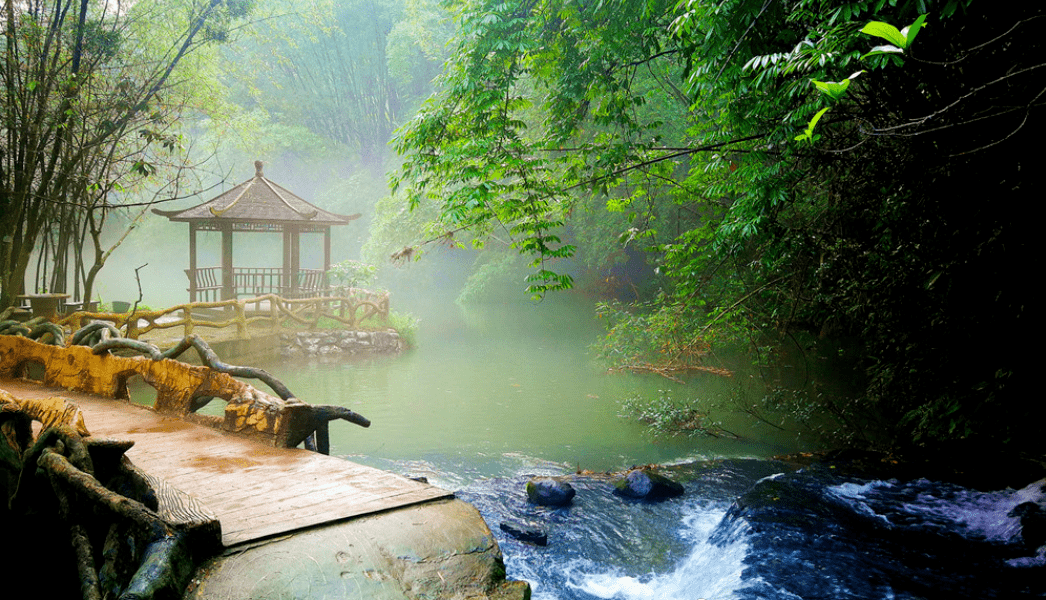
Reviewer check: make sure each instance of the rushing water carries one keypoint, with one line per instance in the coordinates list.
(753, 530)
(494, 395)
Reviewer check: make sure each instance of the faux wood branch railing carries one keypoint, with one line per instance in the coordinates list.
(181, 389)
(348, 306)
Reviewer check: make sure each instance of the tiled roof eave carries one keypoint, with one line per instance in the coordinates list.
(316, 221)
(266, 201)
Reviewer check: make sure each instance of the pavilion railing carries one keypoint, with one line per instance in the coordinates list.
(255, 281)
(348, 306)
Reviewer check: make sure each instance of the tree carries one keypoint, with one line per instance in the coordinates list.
(87, 90)
(864, 235)
(526, 116)
(854, 236)
(345, 70)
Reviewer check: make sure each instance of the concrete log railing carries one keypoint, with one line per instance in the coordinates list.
(348, 306)
(181, 388)
(130, 533)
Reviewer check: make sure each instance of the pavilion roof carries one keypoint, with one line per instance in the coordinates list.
(258, 200)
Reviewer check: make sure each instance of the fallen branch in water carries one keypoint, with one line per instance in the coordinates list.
(670, 371)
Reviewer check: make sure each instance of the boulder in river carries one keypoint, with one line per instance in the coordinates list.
(645, 484)
(547, 491)
(526, 531)
(1033, 522)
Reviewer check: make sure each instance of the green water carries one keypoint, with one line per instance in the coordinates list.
(507, 389)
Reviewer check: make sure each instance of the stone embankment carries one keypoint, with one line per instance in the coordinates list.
(320, 343)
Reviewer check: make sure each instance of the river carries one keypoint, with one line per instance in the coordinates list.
(493, 395)
(507, 389)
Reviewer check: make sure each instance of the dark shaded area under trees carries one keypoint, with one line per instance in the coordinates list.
(904, 232)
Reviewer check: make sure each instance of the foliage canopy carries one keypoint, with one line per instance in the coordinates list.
(894, 226)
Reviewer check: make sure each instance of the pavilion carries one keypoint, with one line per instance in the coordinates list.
(257, 205)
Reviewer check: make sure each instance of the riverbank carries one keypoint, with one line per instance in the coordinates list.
(437, 550)
(265, 344)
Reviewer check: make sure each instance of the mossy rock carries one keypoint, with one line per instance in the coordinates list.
(547, 491)
(644, 484)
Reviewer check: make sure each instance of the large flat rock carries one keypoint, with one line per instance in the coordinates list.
(440, 549)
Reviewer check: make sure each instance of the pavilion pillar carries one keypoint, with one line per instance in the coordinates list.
(192, 262)
(228, 290)
(285, 277)
(292, 247)
(326, 254)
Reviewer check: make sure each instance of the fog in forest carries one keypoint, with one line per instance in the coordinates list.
(163, 246)
(651, 233)
(328, 142)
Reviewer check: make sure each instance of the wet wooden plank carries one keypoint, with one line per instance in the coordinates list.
(255, 491)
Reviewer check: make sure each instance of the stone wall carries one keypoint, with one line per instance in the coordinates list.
(314, 343)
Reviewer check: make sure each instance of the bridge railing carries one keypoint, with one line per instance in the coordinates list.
(279, 419)
(348, 306)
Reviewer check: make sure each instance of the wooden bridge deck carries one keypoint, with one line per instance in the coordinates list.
(255, 491)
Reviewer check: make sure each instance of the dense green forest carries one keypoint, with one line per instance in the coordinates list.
(887, 228)
(780, 177)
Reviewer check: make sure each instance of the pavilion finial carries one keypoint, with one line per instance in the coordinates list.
(258, 168)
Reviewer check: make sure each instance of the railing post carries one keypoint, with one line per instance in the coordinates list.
(191, 271)
(274, 311)
(323, 438)
(187, 310)
(132, 326)
(241, 320)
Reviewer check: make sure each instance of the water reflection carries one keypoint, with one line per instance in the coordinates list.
(503, 389)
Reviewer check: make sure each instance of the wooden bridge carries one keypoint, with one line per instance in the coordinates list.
(243, 468)
(254, 490)
(196, 481)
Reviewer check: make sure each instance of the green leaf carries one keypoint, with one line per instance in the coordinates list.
(887, 32)
(882, 50)
(817, 117)
(900, 40)
(912, 30)
(809, 133)
(835, 89)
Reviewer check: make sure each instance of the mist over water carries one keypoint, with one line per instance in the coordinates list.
(502, 389)
(495, 394)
